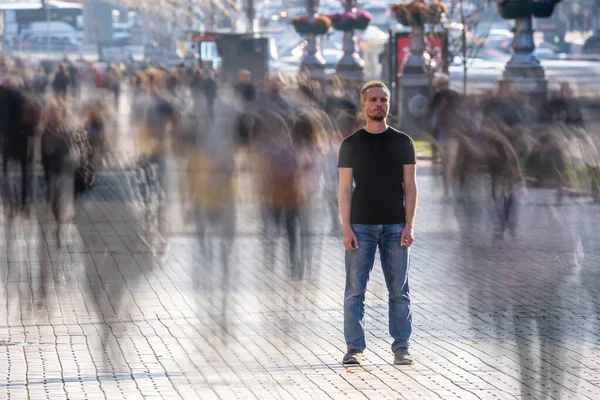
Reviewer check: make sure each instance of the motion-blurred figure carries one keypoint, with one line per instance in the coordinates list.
(209, 88)
(59, 160)
(447, 123)
(19, 119)
(160, 122)
(61, 82)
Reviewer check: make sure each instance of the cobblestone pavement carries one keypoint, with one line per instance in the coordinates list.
(113, 315)
(119, 313)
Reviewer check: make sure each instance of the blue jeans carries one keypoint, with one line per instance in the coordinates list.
(395, 264)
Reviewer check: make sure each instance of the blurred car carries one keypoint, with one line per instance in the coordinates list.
(545, 54)
(381, 14)
(591, 46)
(502, 37)
(40, 42)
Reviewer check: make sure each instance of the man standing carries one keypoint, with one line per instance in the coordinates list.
(379, 212)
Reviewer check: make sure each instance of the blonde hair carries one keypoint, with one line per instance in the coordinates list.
(373, 84)
(441, 80)
(55, 113)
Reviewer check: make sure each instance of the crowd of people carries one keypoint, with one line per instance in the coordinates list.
(286, 146)
(287, 134)
(514, 144)
(286, 130)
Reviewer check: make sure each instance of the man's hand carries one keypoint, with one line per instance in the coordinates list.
(407, 237)
(350, 240)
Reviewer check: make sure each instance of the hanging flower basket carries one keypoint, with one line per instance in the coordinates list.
(542, 9)
(525, 8)
(514, 9)
(350, 20)
(434, 12)
(419, 13)
(318, 26)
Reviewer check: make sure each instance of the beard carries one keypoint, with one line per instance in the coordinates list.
(377, 117)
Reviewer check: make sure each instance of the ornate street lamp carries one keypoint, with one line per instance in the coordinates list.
(350, 65)
(312, 26)
(524, 71)
(416, 70)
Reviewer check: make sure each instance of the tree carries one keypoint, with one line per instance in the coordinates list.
(466, 36)
(176, 9)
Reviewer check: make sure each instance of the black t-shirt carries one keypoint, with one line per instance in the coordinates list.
(377, 162)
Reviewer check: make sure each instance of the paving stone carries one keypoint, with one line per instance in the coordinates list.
(114, 316)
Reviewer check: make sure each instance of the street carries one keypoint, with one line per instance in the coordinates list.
(114, 316)
(238, 292)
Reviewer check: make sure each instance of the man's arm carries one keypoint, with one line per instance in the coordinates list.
(345, 196)
(345, 202)
(410, 202)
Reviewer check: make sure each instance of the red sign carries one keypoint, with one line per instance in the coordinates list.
(202, 38)
(435, 46)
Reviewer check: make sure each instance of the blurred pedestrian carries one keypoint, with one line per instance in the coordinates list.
(59, 161)
(197, 89)
(209, 88)
(40, 81)
(61, 82)
(114, 82)
(244, 86)
(564, 107)
(73, 72)
(160, 124)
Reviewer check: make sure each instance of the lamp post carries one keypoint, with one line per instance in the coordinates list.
(415, 82)
(313, 62)
(524, 72)
(48, 29)
(251, 16)
(350, 65)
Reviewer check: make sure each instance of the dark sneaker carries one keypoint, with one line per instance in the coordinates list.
(402, 357)
(353, 357)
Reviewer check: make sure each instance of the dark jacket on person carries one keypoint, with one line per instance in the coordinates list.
(564, 110)
(61, 82)
(246, 90)
(209, 87)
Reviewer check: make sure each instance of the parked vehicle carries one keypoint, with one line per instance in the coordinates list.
(40, 42)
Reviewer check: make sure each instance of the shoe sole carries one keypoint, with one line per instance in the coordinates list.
(404, 362)
(351, 362)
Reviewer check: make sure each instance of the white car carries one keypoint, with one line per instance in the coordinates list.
(500, 34)
(545, 54)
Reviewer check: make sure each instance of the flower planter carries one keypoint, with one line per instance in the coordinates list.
(409, 20)
(435, 19)
(306, 28)
(434, 13)
(514, 9)
(317, 26)
(417, 13)
(522, 9)
(542, 10)
(350, 20)
(357, 24)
